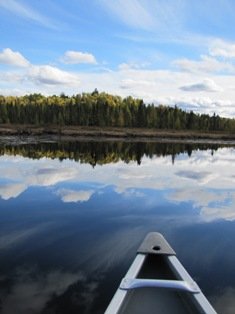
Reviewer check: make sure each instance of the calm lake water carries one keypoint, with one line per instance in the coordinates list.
(72, 215)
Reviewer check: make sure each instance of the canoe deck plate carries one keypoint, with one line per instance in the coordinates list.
(154, 243)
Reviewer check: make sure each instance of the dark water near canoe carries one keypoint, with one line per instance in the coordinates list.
(73, 213)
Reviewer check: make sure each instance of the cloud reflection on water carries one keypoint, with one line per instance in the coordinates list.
(50, 176)
(205, 179)
(225, 301)
(202, 177)
(11, 190)
(69, 196)
(213, 204)
(33, 289)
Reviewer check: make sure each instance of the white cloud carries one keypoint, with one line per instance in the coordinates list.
(71, 196)
(207, 85)
(10, 57)
(132, 66)
(221, 48)
(132, 84)
(206, 105)
(131, 79)
(205, 65)
(46, 74)
(11, 76)
(76, 57)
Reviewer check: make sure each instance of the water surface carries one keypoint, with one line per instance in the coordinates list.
(72, 215)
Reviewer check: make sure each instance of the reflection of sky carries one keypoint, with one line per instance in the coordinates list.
(65, 222)
(205, 180)
(33, 289)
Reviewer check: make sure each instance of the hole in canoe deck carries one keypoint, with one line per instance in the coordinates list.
(156, 248)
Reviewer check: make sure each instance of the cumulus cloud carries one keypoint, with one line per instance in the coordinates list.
(207, 85)
(49, 75)
(130, 79)
(198, 104)
(12, 77)
(221, 48)
(205, 65)
(10, 57)
(72, 196)
(76, 57)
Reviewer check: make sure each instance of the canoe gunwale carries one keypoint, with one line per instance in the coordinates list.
(199, 298)
(120, 294)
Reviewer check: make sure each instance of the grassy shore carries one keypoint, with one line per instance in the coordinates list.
(122, 133)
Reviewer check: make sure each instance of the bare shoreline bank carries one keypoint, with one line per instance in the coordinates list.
(111, 133)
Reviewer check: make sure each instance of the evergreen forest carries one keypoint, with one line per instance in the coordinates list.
(104, 110)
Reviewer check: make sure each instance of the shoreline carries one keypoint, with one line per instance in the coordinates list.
(112, 133)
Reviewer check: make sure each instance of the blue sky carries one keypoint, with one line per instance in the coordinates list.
(164, 51)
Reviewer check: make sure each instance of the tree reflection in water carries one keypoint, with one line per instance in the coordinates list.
(104, 152)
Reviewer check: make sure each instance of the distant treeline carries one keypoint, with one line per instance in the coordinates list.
(104, 110)
(101, 153)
